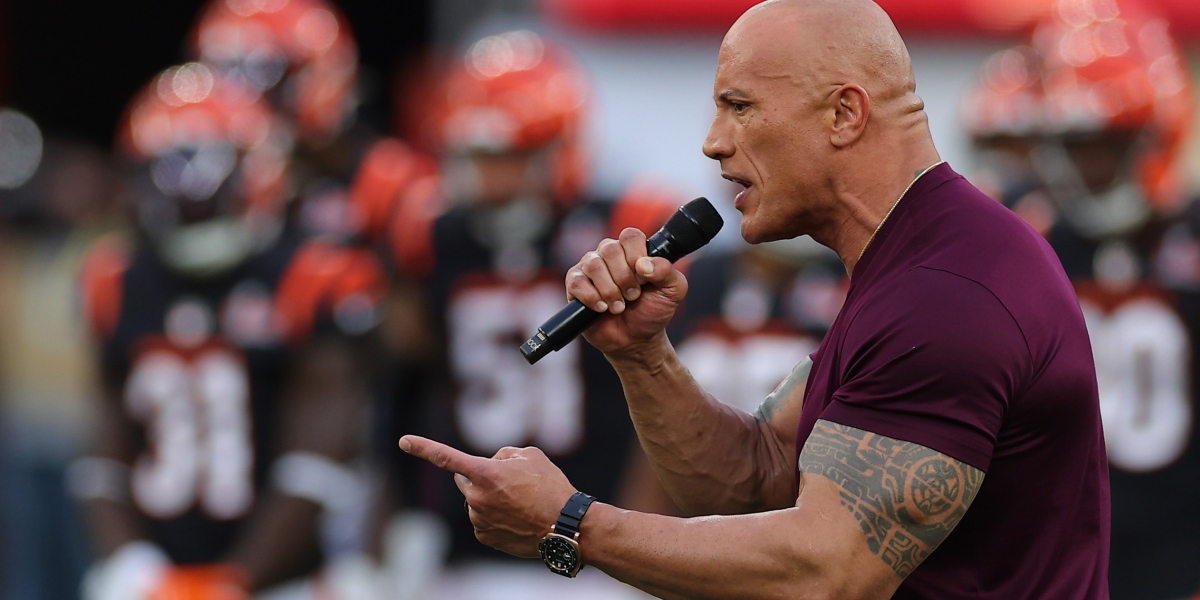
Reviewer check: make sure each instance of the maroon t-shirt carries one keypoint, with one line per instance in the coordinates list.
(962, 334)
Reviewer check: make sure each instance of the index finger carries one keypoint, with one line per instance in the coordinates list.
(441, 455)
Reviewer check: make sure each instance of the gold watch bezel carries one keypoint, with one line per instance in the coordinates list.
(573, 541)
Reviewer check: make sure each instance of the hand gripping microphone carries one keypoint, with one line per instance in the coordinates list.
(692, 226)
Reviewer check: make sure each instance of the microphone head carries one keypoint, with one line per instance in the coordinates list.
(694, 224)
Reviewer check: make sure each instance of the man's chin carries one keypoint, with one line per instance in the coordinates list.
(754, 235)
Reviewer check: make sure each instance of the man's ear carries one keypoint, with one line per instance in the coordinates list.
(851, 107)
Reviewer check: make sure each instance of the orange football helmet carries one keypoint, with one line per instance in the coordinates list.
(1003, 115)
(300, 52)
(212, 163)
(515, 92)
(1007, 99)
(1110, 67)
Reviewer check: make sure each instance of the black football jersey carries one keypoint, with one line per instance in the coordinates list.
(741, 335)
(200, 365)
(486, 301)
(1140, 297)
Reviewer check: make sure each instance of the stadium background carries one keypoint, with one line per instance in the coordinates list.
(71, 65)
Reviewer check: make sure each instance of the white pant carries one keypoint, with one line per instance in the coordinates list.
(527, 581)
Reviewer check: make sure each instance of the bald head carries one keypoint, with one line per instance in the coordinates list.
(820, 44)
(818, 118)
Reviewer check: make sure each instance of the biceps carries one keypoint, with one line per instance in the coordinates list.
(905, 497)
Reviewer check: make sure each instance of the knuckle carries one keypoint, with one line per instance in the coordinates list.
(592, 262)
(576, 277)
(482, 473)
(632, 233)
(609, 247)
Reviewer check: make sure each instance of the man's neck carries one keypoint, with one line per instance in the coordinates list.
(867, 200)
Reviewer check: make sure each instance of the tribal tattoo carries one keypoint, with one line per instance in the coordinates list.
(783, 392)
(906, 497)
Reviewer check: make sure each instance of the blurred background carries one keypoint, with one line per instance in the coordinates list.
(247, 244)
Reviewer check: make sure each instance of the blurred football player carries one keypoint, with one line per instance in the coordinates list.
(1118, 104)
(301, 54)
(232, 356)
(1002, 114)
(507, 122)
(753, 313)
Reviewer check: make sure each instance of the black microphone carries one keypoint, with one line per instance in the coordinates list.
(691, 227)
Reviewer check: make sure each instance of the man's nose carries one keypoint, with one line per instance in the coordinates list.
(717, 145)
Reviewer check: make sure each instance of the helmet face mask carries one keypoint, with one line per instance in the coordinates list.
(1099, 198)
(210, 169)
(497, 178)
(1104, 158)
(260, 70)
(187, 203)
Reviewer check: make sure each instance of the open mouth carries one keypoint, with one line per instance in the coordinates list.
(736, 179)
(746, 185)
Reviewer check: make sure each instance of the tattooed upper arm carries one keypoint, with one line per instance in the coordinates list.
(905, 497)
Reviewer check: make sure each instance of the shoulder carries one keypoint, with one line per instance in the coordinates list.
(932, 358)
(947, 316)
(411, 229)
(388, 169)
(322, 281)
(969, 235)
(102, 282)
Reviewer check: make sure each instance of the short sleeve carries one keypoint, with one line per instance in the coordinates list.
(935, 360)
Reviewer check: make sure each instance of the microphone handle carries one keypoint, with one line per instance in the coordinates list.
(566, 324)
(574, 318)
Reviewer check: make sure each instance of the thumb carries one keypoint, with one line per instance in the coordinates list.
(660, 273)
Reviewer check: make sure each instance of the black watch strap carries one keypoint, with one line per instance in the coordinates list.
(572, 514)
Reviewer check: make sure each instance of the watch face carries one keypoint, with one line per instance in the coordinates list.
(559, 553)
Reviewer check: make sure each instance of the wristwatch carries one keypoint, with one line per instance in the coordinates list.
(560, 547)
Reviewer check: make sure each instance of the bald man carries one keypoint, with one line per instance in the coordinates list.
(943, 442)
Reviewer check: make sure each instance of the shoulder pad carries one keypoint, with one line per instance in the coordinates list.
(410, 234)
(101, 280)
(645, 206)
(387, 169)
(326, 281)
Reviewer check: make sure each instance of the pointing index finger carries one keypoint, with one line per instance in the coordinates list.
(441, 455)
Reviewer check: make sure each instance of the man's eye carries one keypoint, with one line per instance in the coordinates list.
(739, 107)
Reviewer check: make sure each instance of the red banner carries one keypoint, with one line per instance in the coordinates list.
(917, 17)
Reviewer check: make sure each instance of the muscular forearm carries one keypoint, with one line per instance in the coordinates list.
(793, 553)
(711, 458)
(281, 537)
